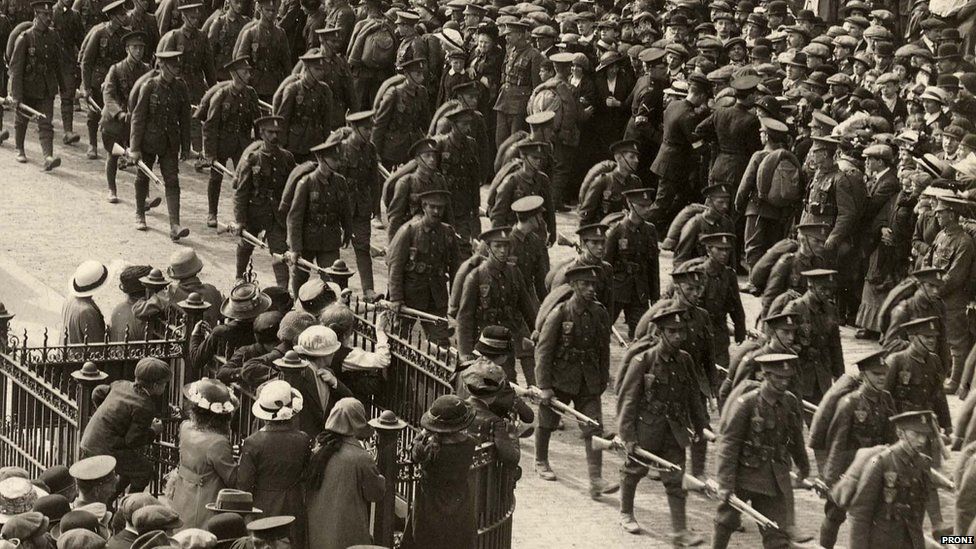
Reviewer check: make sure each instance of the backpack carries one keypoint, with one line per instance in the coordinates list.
(759, 275)
(902, 291)
(778, 180)
(374, 45)
(843, 492)
(595, 171)
(824, 415)
(683, 217)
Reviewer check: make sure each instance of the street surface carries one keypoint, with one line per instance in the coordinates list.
(51, 222)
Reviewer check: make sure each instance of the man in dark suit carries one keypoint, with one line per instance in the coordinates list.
(735, 131)
(893, 107)
(314, 376)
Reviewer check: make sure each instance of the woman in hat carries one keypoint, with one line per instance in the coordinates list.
(613, 82)
(274, 458)
(80, 316)
(362, 371)
(243, 305)
(123, 322)
(444, 510)
(206, 458)
(342, 480)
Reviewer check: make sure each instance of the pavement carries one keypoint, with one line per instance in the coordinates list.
(52, 221)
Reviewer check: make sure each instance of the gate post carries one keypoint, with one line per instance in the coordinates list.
(88, 377)
(388, 428)
(5, 317)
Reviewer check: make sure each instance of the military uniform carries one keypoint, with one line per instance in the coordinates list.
(115, 91)
(104, 47)
(308, 107)
(722, 301)
(604, 282)
(463, 175)
(818, 340)
(735, 132)
(918, 305)
(675, 162)
(914, 380)
(71, 30)
(532, 259)
(605, 195)
(405, 202)
(559, 96)
(401, 118)
(222, 35)
(521, 183)
(632, 251)
(786, 275)
(267, 46)
(520, 75)
(360, 167)
(261, 176)
(709, 221)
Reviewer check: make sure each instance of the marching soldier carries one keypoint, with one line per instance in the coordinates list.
(460, 165)
(780, 333)
(115, 92)
(319, 216)
(69, 26)
(494, 293)
(402, 114)
(889, 506)
(267, 46)
(261, 177)
(530, 251)
(821, 359)
(340, 15)
(140, 20)
(924, 302)
(160, 130)
(735, 131)
(559, 96)
(405, 202)
(605, 195)
(414, 45)
(660, 411)
(35, 78)
(520, 75)
(861, 421)
(713, 219)
(308, 107)
(337, 74)
(423, 258)
(372, 51)
(722, 298)
(592, 253)
(914, 374)
(359, 166)
(104, 47)
(786, 273)
(223, 34)
(573, 365)
(197, 61)
(632, 250)
(227, 127)
(528, 180)
(762, 433)
(468, 95)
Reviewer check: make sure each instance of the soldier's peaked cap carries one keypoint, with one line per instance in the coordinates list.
(873, 360)
(359, 116)
(423, 145)
(136, 36)
(472, 8)
(329, 145)
(238, 63)
(624, 145)
(685, 271)
(745, 83)
(113, 6)
(269, 122)
(528, 204)
(407, 17)
(327, 30)
(496, 234)
(92, 468)
(718, 239)
(190, 6)
(814, 229)
(532, 147)
(931, 275)
(822, 119)
(640, 196)
(773, 125)
(670, 317)
(595, 231)
(417, 63)
(564, 58)
(311, 55)
(918, 420)
(436, 196)
(168, 54)
(539, 118)
(778, 363)
(822, 277)
(718, 189)
(922, 326)
(42, 5)
(782, 321)
(271, 528)
(473, 86)
(583, 272)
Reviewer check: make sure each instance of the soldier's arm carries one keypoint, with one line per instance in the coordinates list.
(778, 281)
(737, 313)
(242, 46)
(654, 265)
(541, 270)
(866, 500)
(706, 128)
(465, 315)
(296, 216)
(730, 442)
(213, 32)
(398, 211)
(847, 214)
(836, 353)
(114, 104)
(399, 253)
(88, 58)
(382, 118)
(503, 203)
(242, 193)
(184, 114)
(612, 244)
(603, 347)
(138, 121)
(960, 270)
(550, 211)
(840, 454)
(528, 304)
(453, 254)
(891, 380)
(285, 110)
(15, 71)
(209, 72)
(545, 349)
(941, 408)
(211, 125)
(747, 185)
(687, 246)
(629, 397)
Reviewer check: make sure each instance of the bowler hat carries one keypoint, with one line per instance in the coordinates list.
(448, 414)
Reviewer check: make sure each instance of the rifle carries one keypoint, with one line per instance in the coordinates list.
(384, 173)
(618, 336)
(376, 251)
(222, 169)
(708, 487)
(533, 394)
(93, 105)
(384, 305)
(119, 150)
(265, 106)
(942, 481)
(25, 109)
(564, 240)
(250, 238)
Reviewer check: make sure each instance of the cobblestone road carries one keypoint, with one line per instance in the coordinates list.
(50, 222)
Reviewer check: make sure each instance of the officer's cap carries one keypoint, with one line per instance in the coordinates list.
(168, 54)
(929, 275)
(724, 240)
(956, 204)
(415, 64)
(624, 145)
(746, 82)
(717, 190)
(532, 148)
(423, 145)
(670, 318)
(879, 151)
(436, 196)
(93, 468)
(359, 116)
(686, 272)
(772, 125)
(238, 63)
(474, 9)
(594, 231)
(815, 230)
(113, 6)
(269, 123)
(920, 421)
(872, 361)
(782, 321)
(583, 272)
(778, 363)
(562, 58)
(271, 528)
(826, 142)
(528, 204)
(820, 118)
(496, 234)
(404, 17)
(643, 196)
(922, 326)
(134, 37)
(470, 86)
(821, 277)
(190, 6)
(329, 145)
(327, 30)
(42, 5)
(652, 55)
(545, 31)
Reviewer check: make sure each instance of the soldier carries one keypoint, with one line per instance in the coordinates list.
(140, 20)
(197, 61)
(914, 374)
(861, 421)
(402, 114)
(924, 302)
(573, 365)
(520, 75)
(786, 272)
(722, 298)
(160, 129)
(818, 339)
(319, 216)
(660, 411)
(468, 95)
(337, 74)
(35, 77)
(763, 431)
(714, 218)
(632, 250)
(779, 335)
(308, 107)
(414, 46)
(266, 44)
(955, 253)
(372, 51)
(494, 293)
(528, 180)
(463, 173)
(69, 26)
(605, 194)
(104, 47)
(116, 89)
(223, 34)
(559, 96)
(227, 127)
(359, 166)
(423, 258)
(647, 110)
(530, 251)
(889, 506)
(592, 251)
(405, 201)
(261, 176)
(735, 132)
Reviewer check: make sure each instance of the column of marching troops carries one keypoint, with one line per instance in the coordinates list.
(834, 168)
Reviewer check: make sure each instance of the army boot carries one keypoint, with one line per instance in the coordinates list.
(722, 536)
(628, 488)
(594, 465)
(150, 204)
(51, 162)
(4, 135)
(141, 221)
(21, 156)
(681, 536)
(70, 138)
(542, 468)
(175, 231)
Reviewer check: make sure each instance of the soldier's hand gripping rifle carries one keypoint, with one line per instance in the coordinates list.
(564, 240)
(93, 105)
(534, 394)
(422, 316)
(119, 150)
(27, 110)
(709, 487)
(376, 251)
